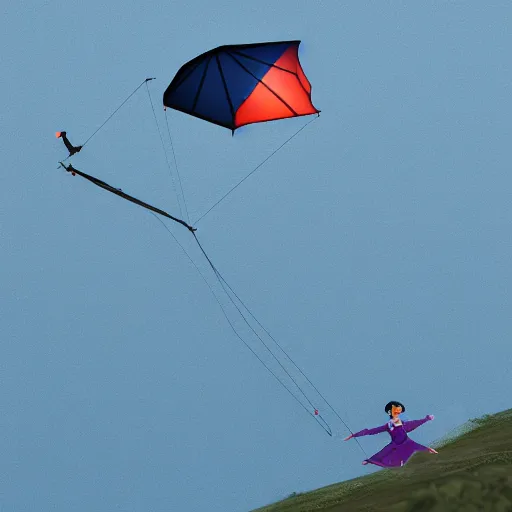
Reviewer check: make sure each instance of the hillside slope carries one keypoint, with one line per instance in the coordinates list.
(471, 473)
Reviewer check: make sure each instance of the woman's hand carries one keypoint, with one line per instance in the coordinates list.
(349, 437)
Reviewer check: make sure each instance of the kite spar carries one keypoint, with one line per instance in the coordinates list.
(120, 193)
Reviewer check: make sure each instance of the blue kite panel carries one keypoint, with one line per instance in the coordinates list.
(184, 94)
(213, 101)
(266, 53)
(250, 67)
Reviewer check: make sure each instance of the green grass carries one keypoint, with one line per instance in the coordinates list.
(471, 473)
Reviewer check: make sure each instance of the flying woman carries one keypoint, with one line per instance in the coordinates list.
(399, 451)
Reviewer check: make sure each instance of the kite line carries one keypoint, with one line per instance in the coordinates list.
(233, 297)
(256, 168)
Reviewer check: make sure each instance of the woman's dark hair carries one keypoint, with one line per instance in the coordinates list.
(387, 409)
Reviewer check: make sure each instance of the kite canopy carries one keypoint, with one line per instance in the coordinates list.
(236, 85)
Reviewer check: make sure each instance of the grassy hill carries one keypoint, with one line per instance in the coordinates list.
(471, 473)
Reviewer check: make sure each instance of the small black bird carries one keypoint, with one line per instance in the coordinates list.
(72, 149)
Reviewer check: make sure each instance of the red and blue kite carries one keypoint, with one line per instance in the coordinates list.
(236, 85)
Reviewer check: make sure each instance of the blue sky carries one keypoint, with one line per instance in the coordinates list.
(374, 246)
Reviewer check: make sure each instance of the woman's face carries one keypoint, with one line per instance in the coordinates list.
(396, 411)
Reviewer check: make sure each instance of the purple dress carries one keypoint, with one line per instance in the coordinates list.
(399, 451)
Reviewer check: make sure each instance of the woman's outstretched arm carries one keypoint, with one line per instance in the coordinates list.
(409, 426)
(368, 432)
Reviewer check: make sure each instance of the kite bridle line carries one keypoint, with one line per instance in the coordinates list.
(257, 167)
(167, 160)
(110, 116)
(115, 111)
